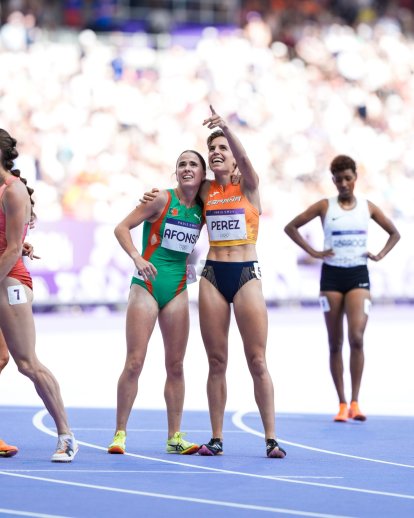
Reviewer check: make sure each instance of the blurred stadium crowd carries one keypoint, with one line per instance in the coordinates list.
(101, 117)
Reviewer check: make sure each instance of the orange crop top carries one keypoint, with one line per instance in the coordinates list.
(231, 219)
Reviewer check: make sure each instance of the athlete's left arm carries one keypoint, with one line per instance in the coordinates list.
(384, 222)
(250, 179)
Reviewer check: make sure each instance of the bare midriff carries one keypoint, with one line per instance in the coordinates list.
(233, 254)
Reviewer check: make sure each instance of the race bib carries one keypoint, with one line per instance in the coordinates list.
(180, 236)
(324, 304)
(349, 246)
(257, 271)
(367, 306)
(16, 294)
(191, 274)
(226, 224)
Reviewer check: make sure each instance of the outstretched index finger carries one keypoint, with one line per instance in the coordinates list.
(213, 111)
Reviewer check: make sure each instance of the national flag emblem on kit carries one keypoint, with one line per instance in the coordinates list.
(174, 212)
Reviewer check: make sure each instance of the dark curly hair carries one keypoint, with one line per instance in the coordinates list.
(8, 155)
(342, 163)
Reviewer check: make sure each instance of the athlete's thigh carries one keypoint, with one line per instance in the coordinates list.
(174, 320)
(16, 319)
(214, 314)
(357, 305)
(332, 304)
(142, 313)
(251, 314)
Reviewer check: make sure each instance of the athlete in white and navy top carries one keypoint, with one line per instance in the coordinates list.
(344, 285)
(346, 233)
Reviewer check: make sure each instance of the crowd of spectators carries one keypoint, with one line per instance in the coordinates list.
(100, 118)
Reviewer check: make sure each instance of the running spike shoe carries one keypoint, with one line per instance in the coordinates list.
(213, 447)
(6, 450)
(273, 450)
(118, 444)
(66, 449)
(342, 415)
(355, 413)
(178, 445)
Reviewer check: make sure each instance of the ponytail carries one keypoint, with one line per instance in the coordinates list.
(8, 155)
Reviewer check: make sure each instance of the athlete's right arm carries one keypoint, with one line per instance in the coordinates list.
(28, 251)
(318, 209)
(144, 211)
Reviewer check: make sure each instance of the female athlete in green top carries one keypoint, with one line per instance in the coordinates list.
(166, 243)
(158, 290)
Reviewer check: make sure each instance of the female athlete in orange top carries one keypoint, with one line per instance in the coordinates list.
(232, 275)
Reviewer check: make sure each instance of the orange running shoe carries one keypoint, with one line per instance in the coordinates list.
(6, 450)
(355, 413)
(342, 415)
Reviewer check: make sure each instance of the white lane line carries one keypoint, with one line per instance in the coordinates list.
(237, 419)
(155, 471)
(14, 512)
(307, 476)
(155, 430)
(37, 421)
(69, 470)
(217, 503)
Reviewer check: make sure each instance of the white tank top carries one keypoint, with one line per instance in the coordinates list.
(346, 232)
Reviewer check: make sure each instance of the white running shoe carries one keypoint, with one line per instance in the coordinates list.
(66, 449)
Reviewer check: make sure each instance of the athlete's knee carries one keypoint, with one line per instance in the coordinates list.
(217, 364)
(356, 340)
(29, 368)
(175, 369)
(335, 346)
(133, 367)
(257, 366)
